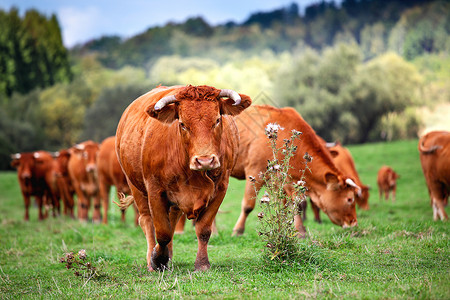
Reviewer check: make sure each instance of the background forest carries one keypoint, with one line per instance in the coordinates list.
(360, 71)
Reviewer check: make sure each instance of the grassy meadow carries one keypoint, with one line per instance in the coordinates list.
(397, 251)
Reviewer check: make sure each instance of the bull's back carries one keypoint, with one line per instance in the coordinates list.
(131, 132)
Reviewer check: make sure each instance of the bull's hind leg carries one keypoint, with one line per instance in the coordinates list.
(145, 221)
(248, 204)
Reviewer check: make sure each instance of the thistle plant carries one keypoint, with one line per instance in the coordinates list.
(282, 199)
(79, 263)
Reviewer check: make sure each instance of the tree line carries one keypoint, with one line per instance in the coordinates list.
(364, 82)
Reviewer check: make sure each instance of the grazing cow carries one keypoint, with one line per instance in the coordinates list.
(177, 146)
(110, 173)
(83, 173)
(62, 185)
(387, 182)
(434, 149)
(344, 162)
(34, 171)
(326, 185)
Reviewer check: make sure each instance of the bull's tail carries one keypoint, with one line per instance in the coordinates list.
(428, 150)
(124, 201)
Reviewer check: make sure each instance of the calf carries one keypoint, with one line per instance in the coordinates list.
(434, 149)
(83, 173)
(387, 182)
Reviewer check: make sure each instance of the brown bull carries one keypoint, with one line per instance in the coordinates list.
(110, 174)
(34, 171)
(327, 186)
(345, 163)
(434, 149)
(387, 182)
(62, 185)
(83, 173)
(177, 146)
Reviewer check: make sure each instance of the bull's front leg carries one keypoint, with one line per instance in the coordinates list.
(159, 206)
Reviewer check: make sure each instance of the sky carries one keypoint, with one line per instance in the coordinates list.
(83, 20)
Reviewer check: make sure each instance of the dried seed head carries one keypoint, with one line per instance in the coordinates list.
(261, 215)
(82, 254)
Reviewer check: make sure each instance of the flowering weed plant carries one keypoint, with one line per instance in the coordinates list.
(79, 264)
(283, 199)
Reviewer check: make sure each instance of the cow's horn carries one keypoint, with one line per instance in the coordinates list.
(15, 156)
(79, 146)
(164, 101)
(232, 95)
(353, 184)
(330, 144)
(36, 155)
(55, 154)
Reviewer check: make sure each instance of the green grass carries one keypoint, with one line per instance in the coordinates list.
(397, 251)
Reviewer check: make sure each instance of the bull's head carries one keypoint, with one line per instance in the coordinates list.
(338, 200)
(87, 152)
(198, 111)
(25, 163)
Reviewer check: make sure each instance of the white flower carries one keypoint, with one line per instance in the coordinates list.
(273, 127)
(265, 198)
(301, 182)
(82, 254)
(276, 167)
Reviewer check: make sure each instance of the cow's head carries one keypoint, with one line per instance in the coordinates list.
(87, 152)
(26, 163)
(198, 111)
(337, 200)
(62, 161)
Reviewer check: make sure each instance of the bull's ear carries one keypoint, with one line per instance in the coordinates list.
(227, 106)
(332, 181)
(167, 114)
(15, 163)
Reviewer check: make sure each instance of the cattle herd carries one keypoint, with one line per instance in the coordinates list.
(174, 151)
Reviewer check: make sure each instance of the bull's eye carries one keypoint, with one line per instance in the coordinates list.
(217, 122)
(183, 126)
(349, 200)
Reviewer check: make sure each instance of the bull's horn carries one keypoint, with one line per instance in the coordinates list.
(79, 146)
(330, 144)
(164, 101)
(353, 184)
(55, 154)
(36, 155)
(15, 156)
(231, 94)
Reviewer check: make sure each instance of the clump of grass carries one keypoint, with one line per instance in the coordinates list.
(79, 264)
(278, 208)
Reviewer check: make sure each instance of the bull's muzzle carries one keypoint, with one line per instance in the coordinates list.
(204, 163)
(91, 168)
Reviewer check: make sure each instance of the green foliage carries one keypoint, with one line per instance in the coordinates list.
(396, 252)
(111, 103)
(31, 52)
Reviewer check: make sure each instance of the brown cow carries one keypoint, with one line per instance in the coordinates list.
(434, 149)
(34, 171)
(345, 163)
(387, 182)
(62, 185)
(177, 146)
(328, 188)
(110, 173)
(83, 173)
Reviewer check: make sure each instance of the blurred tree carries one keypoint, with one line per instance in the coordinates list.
(101, 119)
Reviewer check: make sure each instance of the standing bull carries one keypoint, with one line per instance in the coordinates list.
(110, 173)
(177, 146)
(329, 189)
(34, 171)
(387, 182)
(434, 149)
(83, 173)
